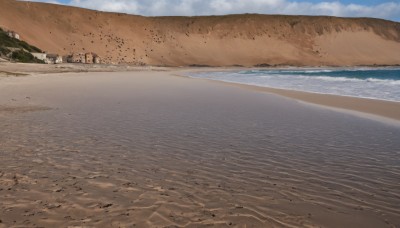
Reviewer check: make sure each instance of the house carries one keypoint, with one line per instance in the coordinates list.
(65, 58)
(48, 58)
(13, 34)
(53, 59)
(89, 58)
(76, 58)
(40, 56)
(97, 59)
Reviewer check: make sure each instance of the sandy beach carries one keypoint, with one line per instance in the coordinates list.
(381, 110)
(386, 111)
(148, 148)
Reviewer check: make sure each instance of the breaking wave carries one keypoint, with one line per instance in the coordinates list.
(373, 83)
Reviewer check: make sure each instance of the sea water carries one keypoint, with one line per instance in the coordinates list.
(373, 83)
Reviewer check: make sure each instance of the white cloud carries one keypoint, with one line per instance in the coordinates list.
(387, 10)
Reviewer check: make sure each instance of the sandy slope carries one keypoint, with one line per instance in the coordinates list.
(225, 40)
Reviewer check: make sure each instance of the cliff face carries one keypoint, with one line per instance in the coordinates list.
(246, 40)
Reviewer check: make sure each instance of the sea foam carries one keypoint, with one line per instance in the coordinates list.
(373, 83)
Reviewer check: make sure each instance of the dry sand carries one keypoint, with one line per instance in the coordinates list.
(147, 149)
(246, 40)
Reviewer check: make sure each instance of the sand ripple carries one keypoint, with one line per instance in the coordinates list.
(148, 161)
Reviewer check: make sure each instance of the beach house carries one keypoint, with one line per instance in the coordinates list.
(40, 56)
(89, 58)
(48, 58)
(76, 58)
(97, 59)
(53, 59)
(13, 34)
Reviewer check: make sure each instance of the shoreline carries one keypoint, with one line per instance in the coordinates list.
(387, 111)
(381, 110)
(34, 68)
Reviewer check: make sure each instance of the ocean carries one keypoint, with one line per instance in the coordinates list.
(373, 83)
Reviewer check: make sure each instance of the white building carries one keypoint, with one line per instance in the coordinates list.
(53, 59)
(48, 58)
(13, 34)
(40, 56)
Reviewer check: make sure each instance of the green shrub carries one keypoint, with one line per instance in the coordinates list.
(21, 55)
(28, 47)
(4, 51)
(6, 41)
(24, 57)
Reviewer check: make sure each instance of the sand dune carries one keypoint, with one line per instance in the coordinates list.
(246, 40)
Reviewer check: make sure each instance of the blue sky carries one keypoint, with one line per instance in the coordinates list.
(386, 9)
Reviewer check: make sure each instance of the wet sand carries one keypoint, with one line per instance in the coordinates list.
(147, 149)
(381, 110)
(387, 111)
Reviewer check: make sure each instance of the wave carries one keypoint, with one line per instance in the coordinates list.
(390, 81)
(372, 84)
(283, 71)
(334, 79)
(357, 73)
(308, 71)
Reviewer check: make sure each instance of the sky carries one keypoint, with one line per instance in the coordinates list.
(386, 9)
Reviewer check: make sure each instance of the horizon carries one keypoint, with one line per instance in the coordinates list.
(388, 10)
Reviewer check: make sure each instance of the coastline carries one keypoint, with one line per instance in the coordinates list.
(381, 110)
(386, 111)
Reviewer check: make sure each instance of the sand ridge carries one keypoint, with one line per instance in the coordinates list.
(245, 40)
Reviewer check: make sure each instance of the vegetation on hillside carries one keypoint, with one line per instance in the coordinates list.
(17, 50)
(24, 57)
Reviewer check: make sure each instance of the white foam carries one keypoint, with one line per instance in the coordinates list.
(332, 79)
(373, 88)
(308, 71)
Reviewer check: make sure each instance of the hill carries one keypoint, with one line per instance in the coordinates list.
(16, 50)
(246, 40)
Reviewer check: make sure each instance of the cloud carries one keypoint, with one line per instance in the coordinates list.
(386, 10)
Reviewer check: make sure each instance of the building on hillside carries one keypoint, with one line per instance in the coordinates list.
(40, 56)
(13, 34)
(76, 58)
(96, 59)
(48, 58)
(53, 59)
(89, 58)
(65, 58)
